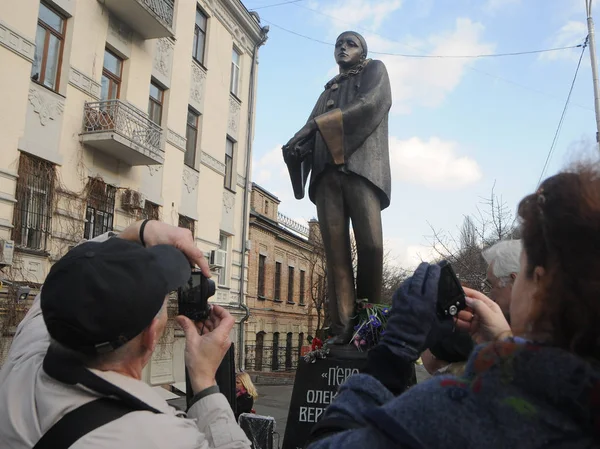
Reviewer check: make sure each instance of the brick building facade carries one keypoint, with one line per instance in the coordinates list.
(283, 277)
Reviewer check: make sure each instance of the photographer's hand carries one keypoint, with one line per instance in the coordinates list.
(159, 233)
(204, 353)
(483, 319)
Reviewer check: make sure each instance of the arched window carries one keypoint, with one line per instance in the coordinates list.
(300, 343)
(288, 351)
(258, 351)
(275, 355)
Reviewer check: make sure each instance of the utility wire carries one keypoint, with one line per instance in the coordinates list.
(276, 4)
(405, 55)
(564, 113)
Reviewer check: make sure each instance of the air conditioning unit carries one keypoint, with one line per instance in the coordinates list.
(7, 249)
(132, 200)
(218, 258)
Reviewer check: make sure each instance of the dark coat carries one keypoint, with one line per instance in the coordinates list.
(364, 100)
(244, 404)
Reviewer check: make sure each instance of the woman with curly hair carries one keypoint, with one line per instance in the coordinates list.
(536, 385)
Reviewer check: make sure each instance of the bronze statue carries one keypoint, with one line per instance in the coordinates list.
(345, 145)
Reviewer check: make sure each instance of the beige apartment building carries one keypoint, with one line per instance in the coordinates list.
(285, 285)
(116, 110)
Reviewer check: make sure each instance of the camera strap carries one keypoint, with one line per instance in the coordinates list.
(90, 416)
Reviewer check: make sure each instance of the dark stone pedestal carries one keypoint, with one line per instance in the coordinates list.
(315, 388)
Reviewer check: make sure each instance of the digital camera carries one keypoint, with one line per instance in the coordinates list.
(451, 296)
(193, 297)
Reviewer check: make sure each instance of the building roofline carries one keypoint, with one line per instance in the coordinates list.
(247, 20)
(266, 192)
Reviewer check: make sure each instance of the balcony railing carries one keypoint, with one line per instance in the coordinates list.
(163, 10)
(136, 131)
(292, 224)
(151, 19)
(271, 358)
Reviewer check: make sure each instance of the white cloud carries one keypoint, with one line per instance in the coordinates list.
(571, 33)
(427, 82)
(407, 255)
(492, 6)
(433, 163)
(367, 13)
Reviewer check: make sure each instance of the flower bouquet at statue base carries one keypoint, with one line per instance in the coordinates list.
(370, 320)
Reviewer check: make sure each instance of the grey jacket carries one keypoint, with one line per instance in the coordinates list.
(32, 402)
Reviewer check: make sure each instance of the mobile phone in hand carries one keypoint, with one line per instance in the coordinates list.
(451, 296)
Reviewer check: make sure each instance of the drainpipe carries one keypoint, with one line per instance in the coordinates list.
(245, 214)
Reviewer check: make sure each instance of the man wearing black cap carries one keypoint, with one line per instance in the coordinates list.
(344, 145)
(73, 374)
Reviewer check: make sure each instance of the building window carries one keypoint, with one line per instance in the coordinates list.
(300, 342)
(235, 73)
(33, 211)
(302, 286)
(277, 294)
(290, 298)
(155, 103)
(199, 36)
(258, 351)
(320, 282)
(229, 150)
(111, 76)
(187, 223)
(49, 41)
(100, 208)
(224, 272)
(151, 211)
(262, 260)
(266, 207)
(275, 352)
(191, 134)
(288, 351)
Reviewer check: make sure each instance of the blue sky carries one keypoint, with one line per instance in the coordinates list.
(458, 126)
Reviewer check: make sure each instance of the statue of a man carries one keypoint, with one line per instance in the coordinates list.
(345, 145)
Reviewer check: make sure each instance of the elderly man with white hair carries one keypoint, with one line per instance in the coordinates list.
(503, 261)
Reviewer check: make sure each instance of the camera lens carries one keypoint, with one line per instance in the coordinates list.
(211, 288)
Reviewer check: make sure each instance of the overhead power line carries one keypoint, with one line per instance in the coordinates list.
(405, 55)
(276, 4)
(563, 114)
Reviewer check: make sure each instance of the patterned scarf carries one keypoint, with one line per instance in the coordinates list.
(350, 73)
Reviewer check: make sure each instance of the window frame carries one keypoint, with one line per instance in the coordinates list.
(229, 166)
(236, 73)
(107, 212)
(151, 211)
(25, 194)
(61, 38)
(302, 287)
(187, 223)
(277, 289)
(260, 287)
(223, 278)
(113, 78)
(196, 129)
(156, 103)
(197, 31)
(290, 292)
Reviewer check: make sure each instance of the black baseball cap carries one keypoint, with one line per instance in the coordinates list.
(101, 295)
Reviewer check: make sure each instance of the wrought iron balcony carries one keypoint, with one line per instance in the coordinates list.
(150, 18)
(120, 130)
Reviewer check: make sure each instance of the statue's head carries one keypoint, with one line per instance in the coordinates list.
(350, 50)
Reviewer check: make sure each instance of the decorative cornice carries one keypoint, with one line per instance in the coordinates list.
(190, 179)
(241, 181)
(6, 198)
(212, 163)
(46, 108)
(16, 42)
(5, 224)
(84, 83)
(235, 13)
(175, 139)
(4, 173)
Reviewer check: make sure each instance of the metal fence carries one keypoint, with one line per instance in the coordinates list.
(293, 225)
(271, 358)
(119, 117)
(163, 10)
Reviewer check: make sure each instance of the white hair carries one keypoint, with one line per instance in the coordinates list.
(506, 256)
